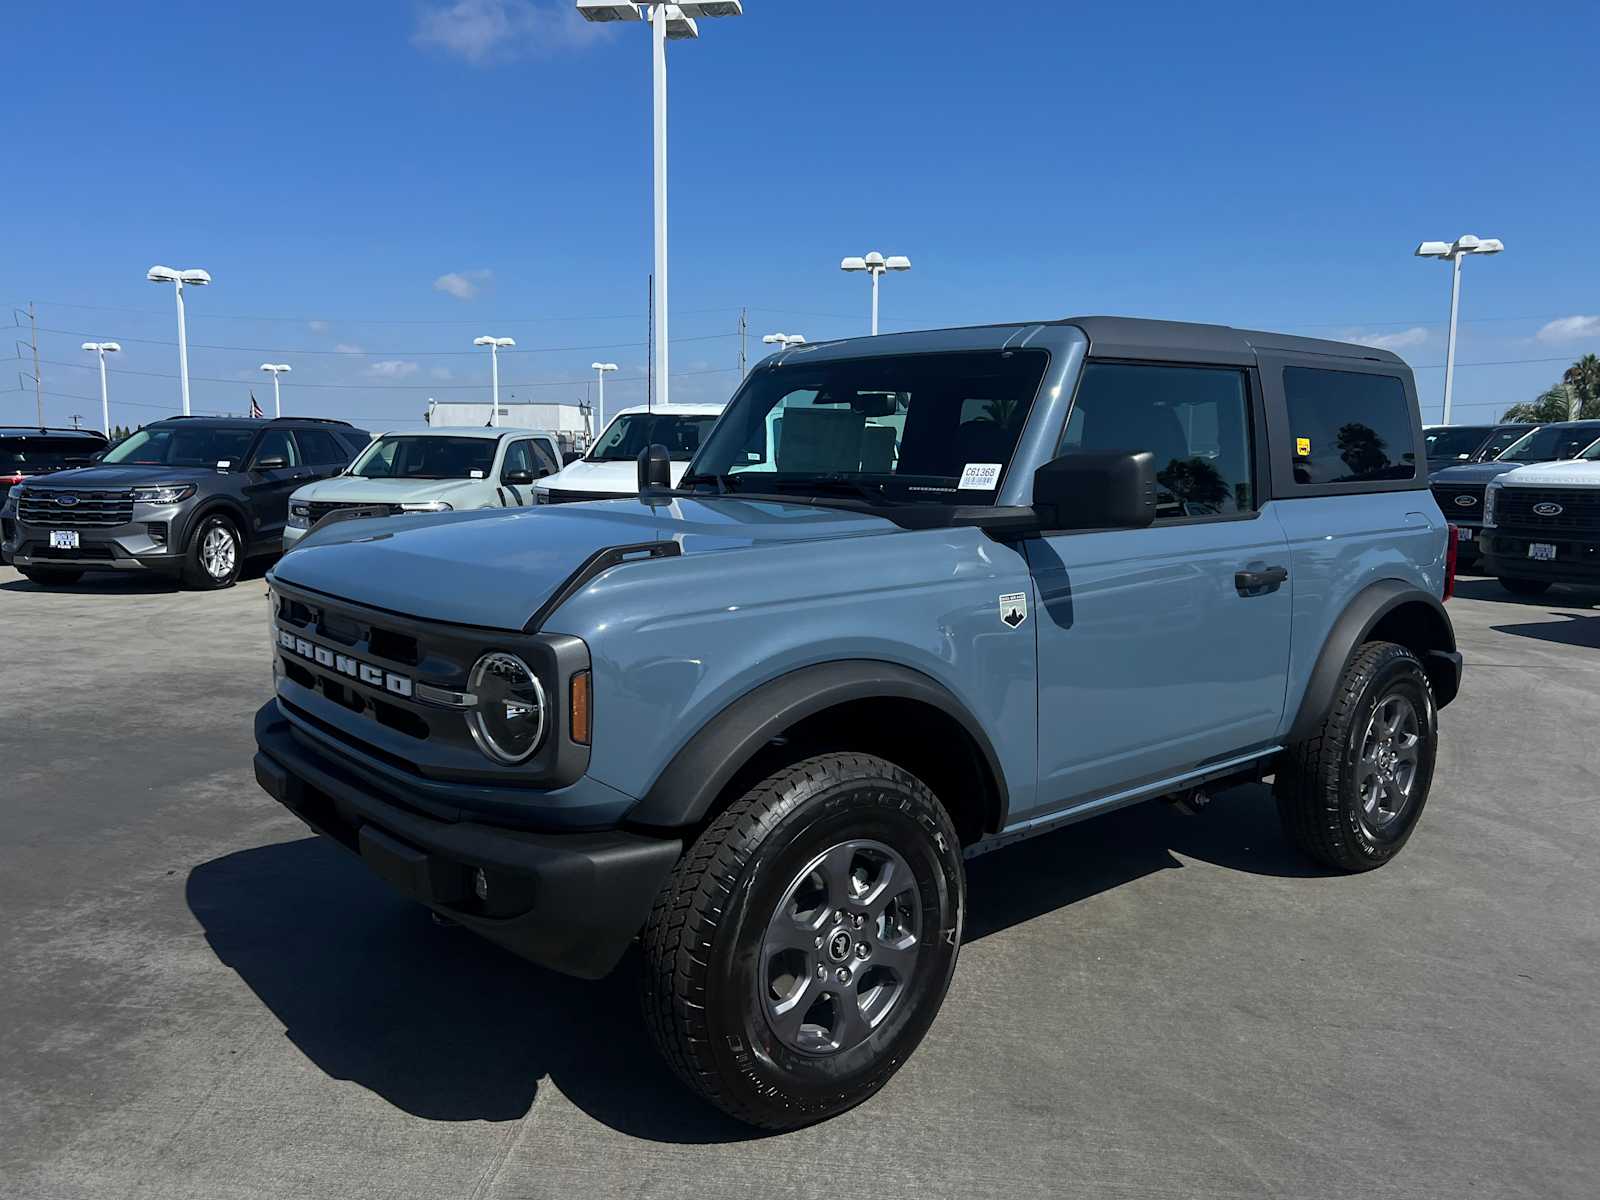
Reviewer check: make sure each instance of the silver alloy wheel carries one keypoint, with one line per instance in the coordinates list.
(839, 952)
(1386, 772)
(218, 552)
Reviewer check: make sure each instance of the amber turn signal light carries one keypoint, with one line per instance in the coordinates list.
(580, 711)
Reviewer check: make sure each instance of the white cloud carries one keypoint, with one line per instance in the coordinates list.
(493, 31)
(1414, 336)
(463, 285)
(348, 348)
(392, 368)
(317, 326)
(1570, 329)
(442, 373)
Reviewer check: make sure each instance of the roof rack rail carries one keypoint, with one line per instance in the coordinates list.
(313, 420)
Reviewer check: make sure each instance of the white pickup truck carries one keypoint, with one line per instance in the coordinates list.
(1541, 525)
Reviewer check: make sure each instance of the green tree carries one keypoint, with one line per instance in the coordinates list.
(1583, 377)
(1577, 395)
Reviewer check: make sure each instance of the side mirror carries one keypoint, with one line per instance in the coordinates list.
(97, 456)
(655, 468)
(273, 462)
(1093, 489)
(517, 477)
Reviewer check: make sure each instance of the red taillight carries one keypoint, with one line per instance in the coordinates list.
(1451, 534)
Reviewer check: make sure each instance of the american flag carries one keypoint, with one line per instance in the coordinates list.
(255, 409)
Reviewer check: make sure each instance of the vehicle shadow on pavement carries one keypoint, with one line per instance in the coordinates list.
(448, 1027)
(104, 584)
(1559, 597)
(438, 1022)
(1567, 629)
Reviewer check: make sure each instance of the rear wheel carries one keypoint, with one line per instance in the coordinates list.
(804, 943)
(215, 554)
(51, 576)
(1350, 795)
(1524, 587)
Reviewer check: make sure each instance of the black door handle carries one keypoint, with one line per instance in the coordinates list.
(1258, 583)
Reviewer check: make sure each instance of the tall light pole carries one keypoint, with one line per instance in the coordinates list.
(783, 340)
(102, 349)
(601, 370)
(674, 21)
(194, 277)
(276, 369)
(875, 265)
(494, 345)
(1455, 251)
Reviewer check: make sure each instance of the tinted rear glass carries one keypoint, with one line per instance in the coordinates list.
(45, 453)
(1454, 441)
(1348, 426)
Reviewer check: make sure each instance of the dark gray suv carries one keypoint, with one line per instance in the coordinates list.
(191, 496)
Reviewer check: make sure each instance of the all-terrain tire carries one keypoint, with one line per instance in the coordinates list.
(711, 978)
(1320, 781)
(50, 576)
(211, 563)
(1524, 587)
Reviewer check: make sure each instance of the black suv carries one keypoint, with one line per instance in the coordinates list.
(26, 452)
(192, 496)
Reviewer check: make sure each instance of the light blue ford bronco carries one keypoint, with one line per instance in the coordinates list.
(918, 596)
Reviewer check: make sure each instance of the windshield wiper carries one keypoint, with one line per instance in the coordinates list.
(725, 483)
(834, 485)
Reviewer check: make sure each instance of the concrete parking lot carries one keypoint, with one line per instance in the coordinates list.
(198, 999)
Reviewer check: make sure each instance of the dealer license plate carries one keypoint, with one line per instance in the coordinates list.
(1541, 550)
(1463, 534)
(63, 539)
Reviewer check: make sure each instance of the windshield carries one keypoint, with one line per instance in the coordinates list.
(44, 453)
(183, 446)
(1592, 454)
(1455, 441)
(1550, 444)
(424, 456)
(919, 427)
(1499, 441)
(680, 433)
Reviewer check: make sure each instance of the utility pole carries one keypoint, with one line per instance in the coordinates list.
(38, 388)
(744, 330)
(76, 419)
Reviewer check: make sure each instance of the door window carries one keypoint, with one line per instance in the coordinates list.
(519, 458)
(1194, 420)
(1348, 426)
(545, 456)
(276, 443)
(320, 448)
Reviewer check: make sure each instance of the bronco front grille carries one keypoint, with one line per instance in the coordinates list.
(73, 509)
(321, 508)
(1549, 508)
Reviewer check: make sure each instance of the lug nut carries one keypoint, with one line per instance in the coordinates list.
(862, 950)
(819, 941)
(822, 971)
(838, 916)
(843, 975)
(857, 921)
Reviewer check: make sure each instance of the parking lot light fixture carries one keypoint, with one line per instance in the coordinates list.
(783, 340)
(875, 264)
(194, 277)
(601, 370)
(667, 21)
(1454, 252)
(495, 344)
(103, 349)
(276, 369)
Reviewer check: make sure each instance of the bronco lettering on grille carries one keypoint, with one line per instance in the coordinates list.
(372, 676)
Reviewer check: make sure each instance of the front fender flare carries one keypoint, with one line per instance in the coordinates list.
(685, 790)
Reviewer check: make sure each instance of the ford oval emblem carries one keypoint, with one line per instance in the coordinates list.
(66, 501)
(1466, 501)
(1548, 509)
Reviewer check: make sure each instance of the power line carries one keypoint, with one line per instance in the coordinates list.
(327, 320)
(358, 353)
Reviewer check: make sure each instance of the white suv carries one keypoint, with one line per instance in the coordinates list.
(430, 470)
(610, 469)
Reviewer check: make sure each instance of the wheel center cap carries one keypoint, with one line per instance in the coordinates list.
(839, 946)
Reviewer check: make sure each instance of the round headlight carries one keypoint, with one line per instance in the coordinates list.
(508, 718)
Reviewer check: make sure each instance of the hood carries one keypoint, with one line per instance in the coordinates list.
(495, 568)
(118, 476)
(1570, 473)
(351, 489)
(1471, 472)
(619, 477)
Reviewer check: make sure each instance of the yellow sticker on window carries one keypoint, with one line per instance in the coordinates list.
(1302, 447)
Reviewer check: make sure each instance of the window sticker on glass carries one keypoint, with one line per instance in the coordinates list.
(979, 477)
(475, 474)
(1302, 447)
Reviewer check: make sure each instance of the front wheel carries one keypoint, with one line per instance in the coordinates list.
(1524, 587)
(216, 554)
(1350, 795)
(804, 943)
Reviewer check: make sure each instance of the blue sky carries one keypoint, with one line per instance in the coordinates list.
(373, 184)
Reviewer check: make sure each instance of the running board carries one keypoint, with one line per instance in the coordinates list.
(1049, 822)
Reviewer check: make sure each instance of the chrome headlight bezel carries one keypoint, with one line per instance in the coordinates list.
(491, 679)
(1489, 493)
(430, 506)
(299, 514)
(162, 493)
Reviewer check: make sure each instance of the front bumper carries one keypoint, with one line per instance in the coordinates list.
(151, 543)
(1577, 560)
(568, 901)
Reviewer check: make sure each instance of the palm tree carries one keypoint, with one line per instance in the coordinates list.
(1583, 377)
(1553, 404)
(1576, 396)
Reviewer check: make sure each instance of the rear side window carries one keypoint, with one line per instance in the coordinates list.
(321, 448)
(1348, 426)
